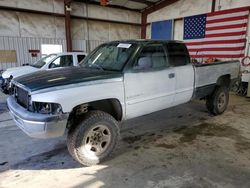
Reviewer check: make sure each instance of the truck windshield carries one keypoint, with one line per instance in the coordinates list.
(43, 61)
(111, 56)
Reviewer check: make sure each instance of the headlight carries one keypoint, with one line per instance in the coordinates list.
(7, 81)
(47, 108)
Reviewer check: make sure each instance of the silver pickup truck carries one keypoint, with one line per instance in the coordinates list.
(119, 80)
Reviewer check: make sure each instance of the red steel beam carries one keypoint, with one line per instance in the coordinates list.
(31, 11)
(67, 2)
(109, 5)
(213, 5)
(63, 15)
(148, 3)
(68, 25)
(143, 25)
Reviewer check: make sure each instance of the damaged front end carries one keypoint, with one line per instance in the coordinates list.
(6, 85)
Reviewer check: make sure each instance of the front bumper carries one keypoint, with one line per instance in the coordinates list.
(37, 125)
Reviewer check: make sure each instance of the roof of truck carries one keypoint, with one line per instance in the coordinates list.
(71, 53)
(141, 41)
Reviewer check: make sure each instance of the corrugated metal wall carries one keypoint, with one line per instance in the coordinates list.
(82, 45)
(22, 46)
(22, 31)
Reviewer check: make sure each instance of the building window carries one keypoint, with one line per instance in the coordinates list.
(50, 49)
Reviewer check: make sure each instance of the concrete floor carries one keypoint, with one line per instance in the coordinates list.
(179, 147)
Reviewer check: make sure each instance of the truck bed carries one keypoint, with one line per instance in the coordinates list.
(206, 75)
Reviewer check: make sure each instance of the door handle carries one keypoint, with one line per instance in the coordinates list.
(171, 75)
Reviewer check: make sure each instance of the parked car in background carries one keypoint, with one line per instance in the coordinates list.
(1, 80)
(48, 62)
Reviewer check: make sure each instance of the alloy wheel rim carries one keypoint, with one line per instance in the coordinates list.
(97, 140)
(221, 101)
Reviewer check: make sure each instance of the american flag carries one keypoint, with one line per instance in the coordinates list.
(219, 34)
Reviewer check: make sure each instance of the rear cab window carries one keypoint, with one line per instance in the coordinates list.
(177, 54)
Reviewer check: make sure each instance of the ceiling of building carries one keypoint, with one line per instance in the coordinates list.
(138, 5)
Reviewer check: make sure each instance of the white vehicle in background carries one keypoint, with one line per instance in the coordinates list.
(51, 61)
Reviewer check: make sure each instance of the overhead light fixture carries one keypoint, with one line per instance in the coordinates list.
(68, 8)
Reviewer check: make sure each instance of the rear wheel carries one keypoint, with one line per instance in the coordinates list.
(218, 101)
(94, 138)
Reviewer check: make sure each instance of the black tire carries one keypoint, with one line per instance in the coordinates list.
(82, 139)
(217, 102)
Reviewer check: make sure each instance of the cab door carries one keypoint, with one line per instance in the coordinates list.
(150, 83)
(184, 72)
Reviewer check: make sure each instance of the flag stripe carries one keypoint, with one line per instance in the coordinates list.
(218, 46)
(223, 27)
(228, 38)
(218, 56)
(226, 30)
(227, 23)
(226, 34)
(227, 15)
(227, 19)
(216, 42)
(228, 11)
(218, 49)
(216, 52)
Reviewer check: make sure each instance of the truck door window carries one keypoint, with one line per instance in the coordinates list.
(62, 61)
(177, 54)
(151, 57)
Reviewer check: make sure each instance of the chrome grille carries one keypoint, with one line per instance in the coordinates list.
(21, 96)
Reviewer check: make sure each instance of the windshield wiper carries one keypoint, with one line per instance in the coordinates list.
(32, 65)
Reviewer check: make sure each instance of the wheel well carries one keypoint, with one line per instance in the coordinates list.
(110, 106)
(224, 81)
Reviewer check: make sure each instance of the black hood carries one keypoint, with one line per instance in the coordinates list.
(63, 76)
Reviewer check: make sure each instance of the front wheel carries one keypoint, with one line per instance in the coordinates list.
(94, 138)
(218, 101)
